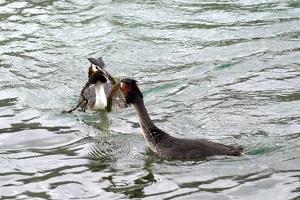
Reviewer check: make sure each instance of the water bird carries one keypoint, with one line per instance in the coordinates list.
(97, 93)
(165, 145)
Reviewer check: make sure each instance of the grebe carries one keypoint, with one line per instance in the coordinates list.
(165, 145)
(96, 94)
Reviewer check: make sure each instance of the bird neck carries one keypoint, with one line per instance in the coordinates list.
(151, 133)
(100, 95)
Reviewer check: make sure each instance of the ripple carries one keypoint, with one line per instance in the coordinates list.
(225, 71)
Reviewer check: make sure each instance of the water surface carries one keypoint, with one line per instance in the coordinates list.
(227, 71)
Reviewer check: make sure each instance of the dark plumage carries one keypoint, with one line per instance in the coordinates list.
(166, 145)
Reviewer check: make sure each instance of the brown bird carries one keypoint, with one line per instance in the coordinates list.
(165, 145)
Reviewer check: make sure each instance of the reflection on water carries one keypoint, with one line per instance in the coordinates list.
(227, 71)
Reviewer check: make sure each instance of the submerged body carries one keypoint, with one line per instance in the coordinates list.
(165, 145)
(97, 96)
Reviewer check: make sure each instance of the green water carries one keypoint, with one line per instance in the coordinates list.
(227, 71)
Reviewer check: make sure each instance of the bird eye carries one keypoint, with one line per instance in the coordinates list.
(98, 68)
